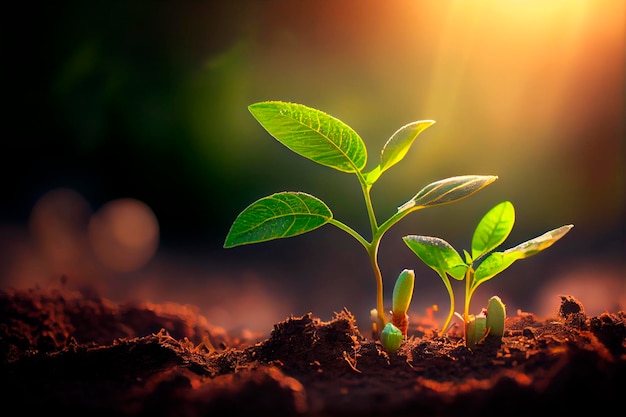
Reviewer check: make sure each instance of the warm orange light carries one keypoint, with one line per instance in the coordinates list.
(124, 234)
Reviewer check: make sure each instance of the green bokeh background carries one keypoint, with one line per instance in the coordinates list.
(148, 99)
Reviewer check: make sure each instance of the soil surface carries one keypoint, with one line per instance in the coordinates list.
(76, 354)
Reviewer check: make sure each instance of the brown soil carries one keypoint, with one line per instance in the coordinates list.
(66, 352)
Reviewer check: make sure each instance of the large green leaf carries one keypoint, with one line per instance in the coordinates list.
(493, 228)
(533, 246)
(312, 134)
(277, 216)
(437, 254)
(448, 190)
(397, 147)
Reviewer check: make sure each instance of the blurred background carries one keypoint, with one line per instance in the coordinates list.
(128, 149)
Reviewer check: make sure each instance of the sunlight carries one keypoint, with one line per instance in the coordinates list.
(521, 61)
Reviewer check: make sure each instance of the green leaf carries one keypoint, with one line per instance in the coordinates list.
(492, 265)
(277, 216)
(373, 176)
(536, 245)
(493, 229)
(312, 134)
(497, 262)
(448, 190)
(397, 147)
(437, 254)
(468, 258)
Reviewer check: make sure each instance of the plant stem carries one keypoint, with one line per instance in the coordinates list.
(395, 219)
(468, 278)
(372, 246)
(368, 204)
(372, 252)
(380, 306)
(351, 232)
(448, 285)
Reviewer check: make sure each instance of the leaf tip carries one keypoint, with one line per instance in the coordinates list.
(229, 242)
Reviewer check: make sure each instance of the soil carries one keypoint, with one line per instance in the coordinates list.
(80, 354)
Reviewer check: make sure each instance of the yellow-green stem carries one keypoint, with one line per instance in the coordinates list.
(468, 294)
(450, 313)
(380, 307)
(372, 251)
(366, 188)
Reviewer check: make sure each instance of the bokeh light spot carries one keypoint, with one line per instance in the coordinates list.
(124, 234)
(57, 223)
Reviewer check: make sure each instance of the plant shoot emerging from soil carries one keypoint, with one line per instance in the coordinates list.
(488, 323)
(402, 294)
(396, 330)
(491, 231)
(328, 141)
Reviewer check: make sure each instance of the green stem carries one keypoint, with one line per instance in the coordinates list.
(380, 306)
(446, 281)
(468, 295)
(351, 232)
(395, 219)
(372, 251)
(366, 188)
(372, 247)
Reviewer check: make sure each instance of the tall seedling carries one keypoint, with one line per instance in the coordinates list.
(328, 141)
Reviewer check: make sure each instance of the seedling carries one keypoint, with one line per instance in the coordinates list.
(402, 294)
(396, 330)
(328, 141)
(391, 337)
(491, 231)
(496, 315)
(489, 322)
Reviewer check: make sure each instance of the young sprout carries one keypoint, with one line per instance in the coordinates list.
(402, 294)
(328, 141)
(475, 329)
(496, 315)
(396, 330)
(489, 323)
(483, 263)
(391, 337)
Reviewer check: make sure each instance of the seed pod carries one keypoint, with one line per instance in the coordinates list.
(496, 314)
(391, 337)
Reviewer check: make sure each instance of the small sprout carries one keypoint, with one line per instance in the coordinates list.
(489, 323)
(330, 142)
(403, 291)
(496, 315)
(391, 337)
(475, 329)
(490, 232)
(402, 294)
